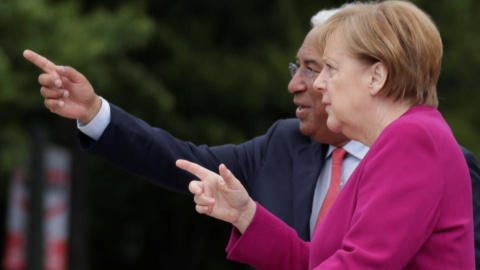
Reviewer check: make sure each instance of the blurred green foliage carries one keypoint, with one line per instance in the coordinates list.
(210, 72)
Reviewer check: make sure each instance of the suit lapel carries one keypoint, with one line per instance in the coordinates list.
(306, 169)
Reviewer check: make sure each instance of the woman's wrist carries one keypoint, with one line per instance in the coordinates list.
(246, 217)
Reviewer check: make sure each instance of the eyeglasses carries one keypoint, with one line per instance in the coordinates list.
(307, 74)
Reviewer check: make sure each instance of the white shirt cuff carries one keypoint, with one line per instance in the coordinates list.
(99, 123)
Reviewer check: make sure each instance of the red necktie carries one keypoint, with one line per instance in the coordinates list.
(337, 158)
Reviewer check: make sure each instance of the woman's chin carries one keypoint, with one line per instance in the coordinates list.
(334, 125)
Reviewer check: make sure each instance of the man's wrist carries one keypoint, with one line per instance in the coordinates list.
(92, 111)
(98, 124)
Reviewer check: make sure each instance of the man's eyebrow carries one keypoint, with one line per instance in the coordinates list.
(311, 61)
(308, 61)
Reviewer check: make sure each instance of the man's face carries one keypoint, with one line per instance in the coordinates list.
(312, 115)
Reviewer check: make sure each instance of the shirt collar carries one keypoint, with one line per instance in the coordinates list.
(354, 148)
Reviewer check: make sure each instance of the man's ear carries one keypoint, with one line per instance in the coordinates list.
(379, 75)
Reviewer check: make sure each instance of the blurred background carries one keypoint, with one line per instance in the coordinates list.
(210, 72)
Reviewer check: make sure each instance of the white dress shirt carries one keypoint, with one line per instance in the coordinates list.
(356, 151)
(99, 123)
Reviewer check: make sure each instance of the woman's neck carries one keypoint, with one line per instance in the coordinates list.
(386, 112)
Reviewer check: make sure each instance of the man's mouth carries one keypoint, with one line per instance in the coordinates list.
(302, 111)
(302, 108)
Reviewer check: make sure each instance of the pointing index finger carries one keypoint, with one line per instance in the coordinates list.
(193, 168)
(40, 61)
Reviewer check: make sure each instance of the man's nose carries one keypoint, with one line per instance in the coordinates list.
(297, 84)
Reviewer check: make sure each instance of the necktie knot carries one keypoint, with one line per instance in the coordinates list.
(338, 155)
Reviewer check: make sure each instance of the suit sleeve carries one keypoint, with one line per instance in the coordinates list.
(150, 152)
(474, 169)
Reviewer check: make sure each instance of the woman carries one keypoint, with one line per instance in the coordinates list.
(408, 204)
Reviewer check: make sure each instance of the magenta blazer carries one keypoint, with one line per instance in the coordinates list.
(408, 205)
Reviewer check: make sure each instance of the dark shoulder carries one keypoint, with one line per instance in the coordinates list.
(288, 130)
(472, 163)
(468, 155)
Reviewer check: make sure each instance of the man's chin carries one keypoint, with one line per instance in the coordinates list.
(305, 129)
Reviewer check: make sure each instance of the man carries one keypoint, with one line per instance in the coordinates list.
(280, 169)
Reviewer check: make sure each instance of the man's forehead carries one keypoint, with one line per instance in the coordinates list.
(307, 54)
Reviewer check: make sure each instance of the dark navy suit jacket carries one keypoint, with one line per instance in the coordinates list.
(279, 169)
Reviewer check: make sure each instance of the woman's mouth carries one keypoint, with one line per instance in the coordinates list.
(328, 107)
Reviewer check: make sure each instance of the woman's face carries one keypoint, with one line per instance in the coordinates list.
(344, 82)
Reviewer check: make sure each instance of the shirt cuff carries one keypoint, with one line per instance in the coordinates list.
(99, 123)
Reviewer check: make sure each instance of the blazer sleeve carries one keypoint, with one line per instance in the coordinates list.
(150, 152)
(474, 169)
(391, 185)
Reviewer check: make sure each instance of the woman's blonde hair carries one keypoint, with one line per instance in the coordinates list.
(398, 34)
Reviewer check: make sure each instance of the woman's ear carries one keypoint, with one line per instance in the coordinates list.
(379, 75)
